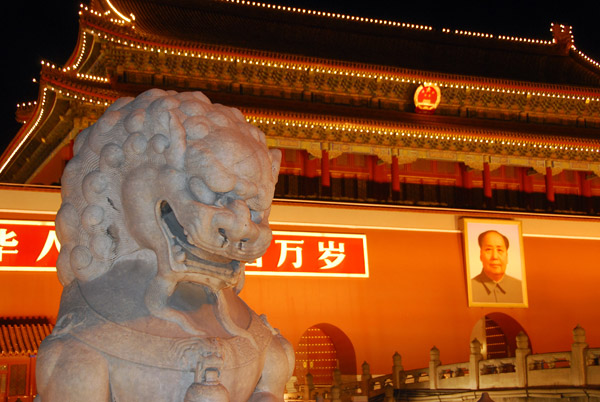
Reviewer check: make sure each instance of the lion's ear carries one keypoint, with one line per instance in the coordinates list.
(275, 162)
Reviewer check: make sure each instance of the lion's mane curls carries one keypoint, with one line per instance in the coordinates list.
(151, 130)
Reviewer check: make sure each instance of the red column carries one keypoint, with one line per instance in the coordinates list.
(526, 181)
(395, 174)
(310, 165)
(487, 181)
(325, 179)
(465, 176)
(549, 185)
(371, 166)
(585, 185)
(526, 188)
(585, 189)
(379, 175)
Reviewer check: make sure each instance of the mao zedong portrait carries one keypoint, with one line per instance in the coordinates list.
(492, 285)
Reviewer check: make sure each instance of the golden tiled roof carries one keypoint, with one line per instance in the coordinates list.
(309, 33)
(22, 339)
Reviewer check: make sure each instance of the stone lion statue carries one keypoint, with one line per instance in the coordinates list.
(165, 199)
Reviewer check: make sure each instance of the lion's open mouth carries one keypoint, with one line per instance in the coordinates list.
(194, 257)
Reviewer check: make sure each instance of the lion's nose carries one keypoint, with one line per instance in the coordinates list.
(235, 225)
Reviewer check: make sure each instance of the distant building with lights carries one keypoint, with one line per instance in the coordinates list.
(391, 132)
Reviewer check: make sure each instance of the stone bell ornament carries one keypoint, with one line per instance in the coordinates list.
(166, 197)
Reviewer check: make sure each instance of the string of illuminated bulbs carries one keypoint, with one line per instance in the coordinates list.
(321, 69)
(406, 25)
(338, 71)
(419, 134)
(136, 44)
(31, 129)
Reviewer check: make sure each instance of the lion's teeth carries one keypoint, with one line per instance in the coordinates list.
(178, 254)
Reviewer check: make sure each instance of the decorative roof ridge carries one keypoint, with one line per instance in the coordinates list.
(137, 40)
(555, 28)
(70, 82)
(390, 23)
(329, 14)
(587, 59)
(51, 71)
(59, 82)
(561, 41)
(122, 20)
(25, 131)
(395, 127)
(85, 93)
(349, 18)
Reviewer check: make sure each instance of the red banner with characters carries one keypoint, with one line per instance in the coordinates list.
(33, 246)
(313, 254)
(28, 246)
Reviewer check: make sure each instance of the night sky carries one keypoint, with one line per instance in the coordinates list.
(47, 30)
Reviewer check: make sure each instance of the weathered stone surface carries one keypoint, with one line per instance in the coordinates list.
(165, 199)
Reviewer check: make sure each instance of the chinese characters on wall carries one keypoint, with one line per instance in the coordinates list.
(33, 246)
(28, 245)
(313, 254)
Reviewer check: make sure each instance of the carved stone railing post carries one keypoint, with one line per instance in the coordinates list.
(474, 360)
(578, 363)
(365, 379)
(434, 362)
(337, 377)
(521, 359)
(310, 386)
(397, 371)
(389, 394)
(336, 394)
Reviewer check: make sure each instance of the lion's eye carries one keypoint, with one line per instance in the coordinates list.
(201, 191)
(224, 199)
(256, 216)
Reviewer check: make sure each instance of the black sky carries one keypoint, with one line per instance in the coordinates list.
(47, 30)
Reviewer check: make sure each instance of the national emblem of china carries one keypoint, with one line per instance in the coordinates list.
(427, 98)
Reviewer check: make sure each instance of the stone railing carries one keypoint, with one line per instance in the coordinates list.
(576, 368)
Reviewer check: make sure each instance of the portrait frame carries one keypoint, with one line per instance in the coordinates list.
(480, 289)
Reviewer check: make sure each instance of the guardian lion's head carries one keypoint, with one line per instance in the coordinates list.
(171, 173)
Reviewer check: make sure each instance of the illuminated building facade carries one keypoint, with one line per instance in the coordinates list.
(390, 131)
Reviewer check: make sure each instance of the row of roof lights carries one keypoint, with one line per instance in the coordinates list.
(386, 22)
(327, 70)
(468, 33)
(371, 20)
(26, 136)
(120, 21)
(79, 75)
(417, 135)
(501, 37)
(27, 104)
(96, 13)
(527, 40)
(82, 52)
(335, 71)
(586, 57)
(92, 77)
(347, 17)
(331, 15)
(74, 95)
